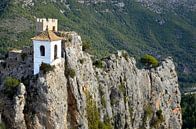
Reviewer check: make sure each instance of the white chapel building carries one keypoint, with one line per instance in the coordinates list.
(46, 45)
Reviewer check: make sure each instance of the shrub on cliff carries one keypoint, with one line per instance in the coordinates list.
(46, 68)
(69, 71)
(93, 115)
(23, 56)
(2, 126)
(157, 120)
(10, 84)
(98, 64)
(86, 46)
(148, 112)
(149, 61)
(125, 55)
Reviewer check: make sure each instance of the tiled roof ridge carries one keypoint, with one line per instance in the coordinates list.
(47, 35)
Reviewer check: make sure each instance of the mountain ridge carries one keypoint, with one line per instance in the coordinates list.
(109, 26)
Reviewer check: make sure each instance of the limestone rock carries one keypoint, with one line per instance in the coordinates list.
(12, 111)
(125, 96)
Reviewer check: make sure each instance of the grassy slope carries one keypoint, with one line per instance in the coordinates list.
(133, 29)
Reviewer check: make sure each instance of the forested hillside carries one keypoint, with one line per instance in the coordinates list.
(188, 111)
(110, 26)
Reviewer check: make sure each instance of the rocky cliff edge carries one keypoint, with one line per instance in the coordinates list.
(80, 94)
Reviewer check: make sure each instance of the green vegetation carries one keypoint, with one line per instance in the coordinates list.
(125, 55)
(122, 88)
(46, 68)
(134, 29)
(2, 126)
(187, 80)
(113, 101)
(69, 37)
(149, 61)
(23, 56)
(105, 125)
(188, 104)
(148, 112)
(103, 101)
(158, 119)
(159, 114)
(81, 61)
(98, 64)
(93, 115)
(86, 46)
(10, 84)
(131, 113)
(155, 121)
(69, 71)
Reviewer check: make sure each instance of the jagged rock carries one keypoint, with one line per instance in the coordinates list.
(19, 107)
(13, 109)
(47, 103)
(125, 96)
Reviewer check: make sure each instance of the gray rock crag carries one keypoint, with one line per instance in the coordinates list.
(47, 103)
(12, 108)
(125, 96)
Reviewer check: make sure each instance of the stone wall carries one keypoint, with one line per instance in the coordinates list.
(42, 24)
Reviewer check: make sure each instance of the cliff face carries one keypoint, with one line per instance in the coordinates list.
(77, 94)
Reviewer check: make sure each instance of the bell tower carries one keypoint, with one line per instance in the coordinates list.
(46, 46)
(43, 24)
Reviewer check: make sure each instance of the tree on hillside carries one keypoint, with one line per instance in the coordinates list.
(149, 61)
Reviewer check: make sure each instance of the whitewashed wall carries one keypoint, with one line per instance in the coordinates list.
(49, 53)
(53, 43)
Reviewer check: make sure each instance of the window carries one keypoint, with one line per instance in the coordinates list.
(53, 28)
(55, 52)
(46, 27)
(42, 50)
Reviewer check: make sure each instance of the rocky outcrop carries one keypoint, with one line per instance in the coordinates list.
(12, 108)
(120, 94)
(47, 100)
